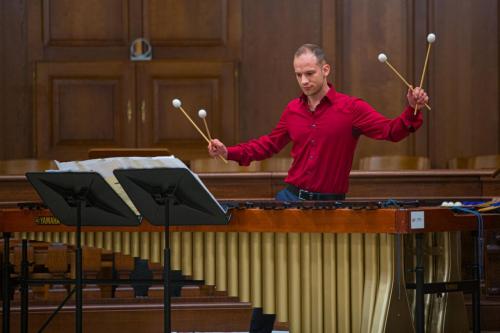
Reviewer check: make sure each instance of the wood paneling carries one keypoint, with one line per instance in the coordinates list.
(464, 80)
(89, 30)
(83, 109)
(129, 317)
(2, 73)
(186, 22)
(73, 23)
(15, 83)
(121, 104)
(260, 36)
(369, 28)
(272, 31)
(193, 29)
(83, 105)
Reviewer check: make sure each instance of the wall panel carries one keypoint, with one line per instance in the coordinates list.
(260, 36)
(82, 30)
(92, 22)
(187, 23)
(464, 80)
(83, 105)
(15, 83)
(2, 75)
(368, 29)
(193, 29)
(272, 31)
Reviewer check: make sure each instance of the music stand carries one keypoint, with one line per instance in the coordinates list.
(81, 199)
(170, 196)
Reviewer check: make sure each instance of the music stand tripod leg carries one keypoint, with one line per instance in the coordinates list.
(476, 294)
(166, 267)
(6, 283)
(79, 273)
(24, 286)
(419, 280)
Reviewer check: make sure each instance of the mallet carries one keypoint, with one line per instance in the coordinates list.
(203, 114)
(178, 105)
(431, 38)
(383, 59)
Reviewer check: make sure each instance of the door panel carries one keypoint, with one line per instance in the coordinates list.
(92, 29)
(187, 22)
(85, 22)
(83, 105)
(199, 85)
(193, 28)
(74, 100)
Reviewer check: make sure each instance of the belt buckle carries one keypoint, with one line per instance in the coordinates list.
(305, 195)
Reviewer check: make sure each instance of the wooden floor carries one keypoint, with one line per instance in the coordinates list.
(142, 317)
(490, 313)
(190, 313)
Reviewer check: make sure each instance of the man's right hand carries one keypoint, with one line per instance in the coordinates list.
(217, 148)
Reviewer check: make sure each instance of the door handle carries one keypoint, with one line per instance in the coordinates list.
(129, 111)
(143, 111)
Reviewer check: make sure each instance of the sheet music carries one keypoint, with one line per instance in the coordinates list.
(105, 167)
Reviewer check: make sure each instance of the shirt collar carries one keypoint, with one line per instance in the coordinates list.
(330, 95)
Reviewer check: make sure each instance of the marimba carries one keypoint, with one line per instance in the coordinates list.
(321, 267)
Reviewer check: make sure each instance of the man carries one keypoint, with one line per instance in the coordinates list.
(324, 127)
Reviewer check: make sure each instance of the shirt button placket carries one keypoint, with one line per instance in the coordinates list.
(311, 156)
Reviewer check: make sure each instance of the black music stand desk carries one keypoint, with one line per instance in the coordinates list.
(170, 196)
(81, 199)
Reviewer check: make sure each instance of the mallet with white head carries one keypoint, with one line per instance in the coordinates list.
(203, 114)
(382, 57)
(431, 38)
(178, 105)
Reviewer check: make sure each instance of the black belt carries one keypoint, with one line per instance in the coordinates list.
(306, 195)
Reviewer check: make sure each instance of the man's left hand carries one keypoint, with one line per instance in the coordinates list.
(417, 97)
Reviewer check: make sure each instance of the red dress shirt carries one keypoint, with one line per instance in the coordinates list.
(324, 140)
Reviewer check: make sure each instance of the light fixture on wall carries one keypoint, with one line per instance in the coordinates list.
(141, 50)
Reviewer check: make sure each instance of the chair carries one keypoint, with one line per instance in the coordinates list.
(475, 162)
(21, 166)
(458, 163)
(216, 165)
(484, 162)
(394, 162)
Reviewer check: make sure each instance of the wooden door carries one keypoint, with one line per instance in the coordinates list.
(83, 30)
(199, 85)
(83, 105)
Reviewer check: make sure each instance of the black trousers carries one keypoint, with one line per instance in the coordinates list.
(261, 323)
